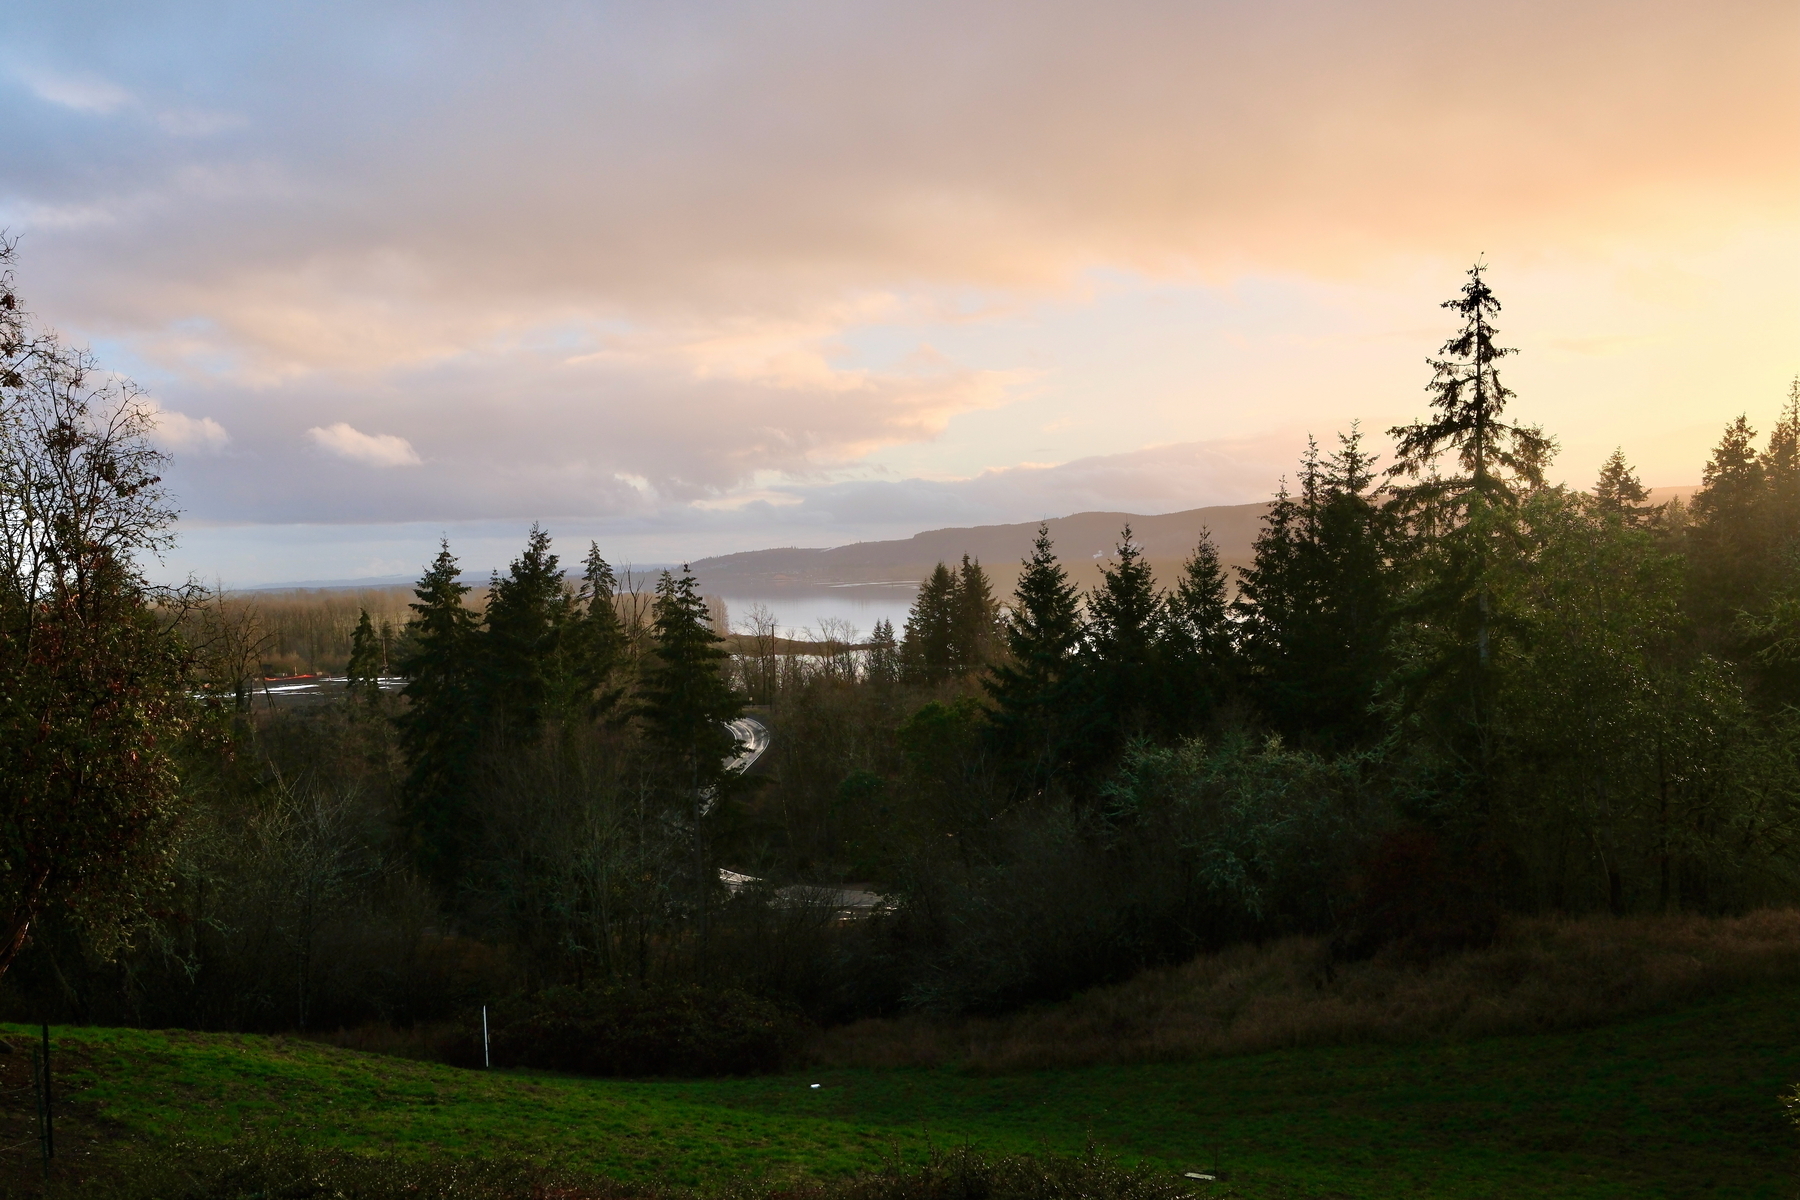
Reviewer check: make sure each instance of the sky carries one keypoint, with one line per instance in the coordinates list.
(688, 278)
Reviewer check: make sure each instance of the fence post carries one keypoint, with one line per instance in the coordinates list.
(49, 1110)
(487, 1059)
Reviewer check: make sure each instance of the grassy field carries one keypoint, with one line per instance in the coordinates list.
(1680, 1104)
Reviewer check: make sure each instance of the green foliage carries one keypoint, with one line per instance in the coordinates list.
(1618, 489)
(953, 624)
(366, 667)
(93, 687)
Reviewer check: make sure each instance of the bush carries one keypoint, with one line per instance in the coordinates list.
(636, 1031)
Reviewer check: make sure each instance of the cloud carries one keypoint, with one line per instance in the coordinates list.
(181, 433)
(80, 92)
(369, 449)
(672, 263)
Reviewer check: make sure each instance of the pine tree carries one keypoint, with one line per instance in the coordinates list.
(440, 724)
(362, 681)
(1125, 634)
(1466, 524)
(687, 701)
(1316, 604)
(528, 613)
(595, 645)
(1781, 467)
(928, 649)
(1036, 690)
(686, 697)
(883, 666)
(1727, 535)
(976, 618)
(1618, 489)
(1199, 655)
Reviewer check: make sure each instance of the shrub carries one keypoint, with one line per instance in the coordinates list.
(636, 1031)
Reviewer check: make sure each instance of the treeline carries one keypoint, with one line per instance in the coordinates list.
(1443, 690)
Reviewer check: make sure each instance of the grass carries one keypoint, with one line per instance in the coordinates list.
(1682, 1103)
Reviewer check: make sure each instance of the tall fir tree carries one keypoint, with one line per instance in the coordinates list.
(1125, 638)
(362, 677)
(440, 724)
(529, 611)
(1200, 659)
(1728, 536)
(928, 648)
(1618, 490)
(596, 642)
(1316, 604)
(976, 619)
(1036, 689)
(1466, 524)
(686, 703)
(883, 661)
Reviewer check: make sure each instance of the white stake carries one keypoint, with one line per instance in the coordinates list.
(486, 1059)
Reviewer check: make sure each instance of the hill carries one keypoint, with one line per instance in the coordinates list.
(1081, 539)
(1086, 537)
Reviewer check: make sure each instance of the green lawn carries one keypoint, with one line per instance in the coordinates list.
(1684, 1104)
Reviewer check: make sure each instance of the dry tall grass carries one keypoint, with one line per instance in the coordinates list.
(1541, 973)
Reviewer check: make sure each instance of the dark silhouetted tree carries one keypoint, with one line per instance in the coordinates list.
(1618, 489)
(1317, 604)
(977, 618)
(1036, 688)
(928, 649)
(1125, 636)
(362, 680)
(525, 679)
(441, 723)
(686, 702)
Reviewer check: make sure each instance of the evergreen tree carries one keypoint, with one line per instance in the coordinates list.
(1036, 689)
(686, 696)
(1466, 524)
(929, 646)
(1125, 634)
(1781, 464)
(596, 641)
(976, 618)
(1199, 655)
(687, 701)
(1316, 604)
(1618, 489)
(884, 655)
(440, 724)
(1727, 536)
(363, 676)
(529, 611)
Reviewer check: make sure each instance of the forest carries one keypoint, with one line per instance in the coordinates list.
(1447, 692)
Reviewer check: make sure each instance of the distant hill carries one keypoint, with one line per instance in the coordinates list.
(1081, 541)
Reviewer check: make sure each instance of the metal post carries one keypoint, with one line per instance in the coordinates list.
(486, 1058)
(49, 1110)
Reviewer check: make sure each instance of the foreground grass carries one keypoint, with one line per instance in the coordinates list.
(1681, 1104)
